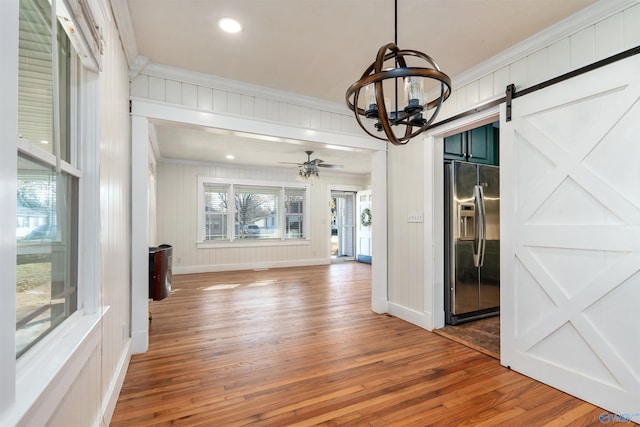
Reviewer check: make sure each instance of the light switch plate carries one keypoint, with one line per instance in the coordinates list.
(415, 217)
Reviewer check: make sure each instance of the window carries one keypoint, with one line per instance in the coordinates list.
(259, 212)
(215, 212)
(48, 182)
(294, 215)
(256, 212)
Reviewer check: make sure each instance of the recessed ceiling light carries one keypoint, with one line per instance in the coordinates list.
(230, 156)
(44, 142)
(229, 25)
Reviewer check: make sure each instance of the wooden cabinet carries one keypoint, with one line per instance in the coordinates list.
(479, 145)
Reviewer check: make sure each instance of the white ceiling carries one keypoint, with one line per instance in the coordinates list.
(318, 48)
(190, 143)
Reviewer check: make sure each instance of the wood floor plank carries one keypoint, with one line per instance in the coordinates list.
(301, 346)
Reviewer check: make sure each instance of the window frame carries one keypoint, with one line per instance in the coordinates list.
(234, 240)
(58, 358)
(67, 135)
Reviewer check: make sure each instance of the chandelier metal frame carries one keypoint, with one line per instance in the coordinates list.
(412, 116)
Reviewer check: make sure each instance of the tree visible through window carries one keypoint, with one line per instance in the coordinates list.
(258, 212)
(48, 186)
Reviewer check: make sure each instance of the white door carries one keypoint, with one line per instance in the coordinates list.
(363, 246)
(343, 226)
(570, 227)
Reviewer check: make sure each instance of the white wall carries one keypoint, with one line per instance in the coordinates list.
(405, 194)
(605, 29)
(93, 393)
(152, 188)
(218, 95)
(166, 93)
(177, 214)
(84, 392)
(115, 211)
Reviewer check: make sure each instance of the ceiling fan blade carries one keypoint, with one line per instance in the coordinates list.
(327, 165)
(291, 163)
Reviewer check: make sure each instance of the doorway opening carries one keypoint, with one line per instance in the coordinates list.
(342, 205)
(472, 238)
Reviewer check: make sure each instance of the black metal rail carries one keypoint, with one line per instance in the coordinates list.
(512, 93)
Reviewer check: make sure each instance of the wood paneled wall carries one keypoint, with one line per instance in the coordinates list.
(210, 93)
(578, 42)
(564, 48)
(115, 178)
(598, 32)
(177, 215)
(176, 190)
(91, 397)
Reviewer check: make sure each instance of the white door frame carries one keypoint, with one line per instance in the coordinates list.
(352, 196)
(359, 226)
(143, 115)
(434, 202)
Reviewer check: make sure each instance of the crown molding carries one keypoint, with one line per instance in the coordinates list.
(571, 25)
(120, 10)
(209, 80)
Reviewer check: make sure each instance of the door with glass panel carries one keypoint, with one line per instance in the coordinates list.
(364, 238)
(342, 226)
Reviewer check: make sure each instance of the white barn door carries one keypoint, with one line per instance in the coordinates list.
(570, 228)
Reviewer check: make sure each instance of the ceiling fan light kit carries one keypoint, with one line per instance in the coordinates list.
(418, 112)
(307, 175)
(309, 171)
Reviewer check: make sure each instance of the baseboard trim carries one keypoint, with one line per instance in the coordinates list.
(110, 400)
(249, 266)
(410, 315)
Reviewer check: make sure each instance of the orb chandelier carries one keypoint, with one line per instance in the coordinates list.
(399, 124)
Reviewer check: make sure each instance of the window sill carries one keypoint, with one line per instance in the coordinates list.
(252, 243)
(47, 371)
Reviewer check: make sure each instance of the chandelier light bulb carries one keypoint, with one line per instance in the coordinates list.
(414, 90)
(370, 101)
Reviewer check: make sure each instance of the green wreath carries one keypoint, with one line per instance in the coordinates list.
(365, 217)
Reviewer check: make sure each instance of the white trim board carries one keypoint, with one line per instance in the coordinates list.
(221, 83)
(249, 266)
(182, 115)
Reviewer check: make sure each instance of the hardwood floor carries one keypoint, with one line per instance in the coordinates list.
(301, 346)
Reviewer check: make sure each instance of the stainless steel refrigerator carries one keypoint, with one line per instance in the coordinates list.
(472, 241)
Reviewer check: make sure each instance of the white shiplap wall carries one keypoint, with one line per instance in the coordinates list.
(600, 31)
(605, 29)
(115, 207)
(210, 93)
(406, 240)
(91, 398)
(177, 215)
(176, 190)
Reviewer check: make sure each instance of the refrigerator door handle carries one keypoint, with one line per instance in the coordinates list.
(481, 224)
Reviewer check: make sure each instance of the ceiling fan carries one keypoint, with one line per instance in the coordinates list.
(309, 169)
